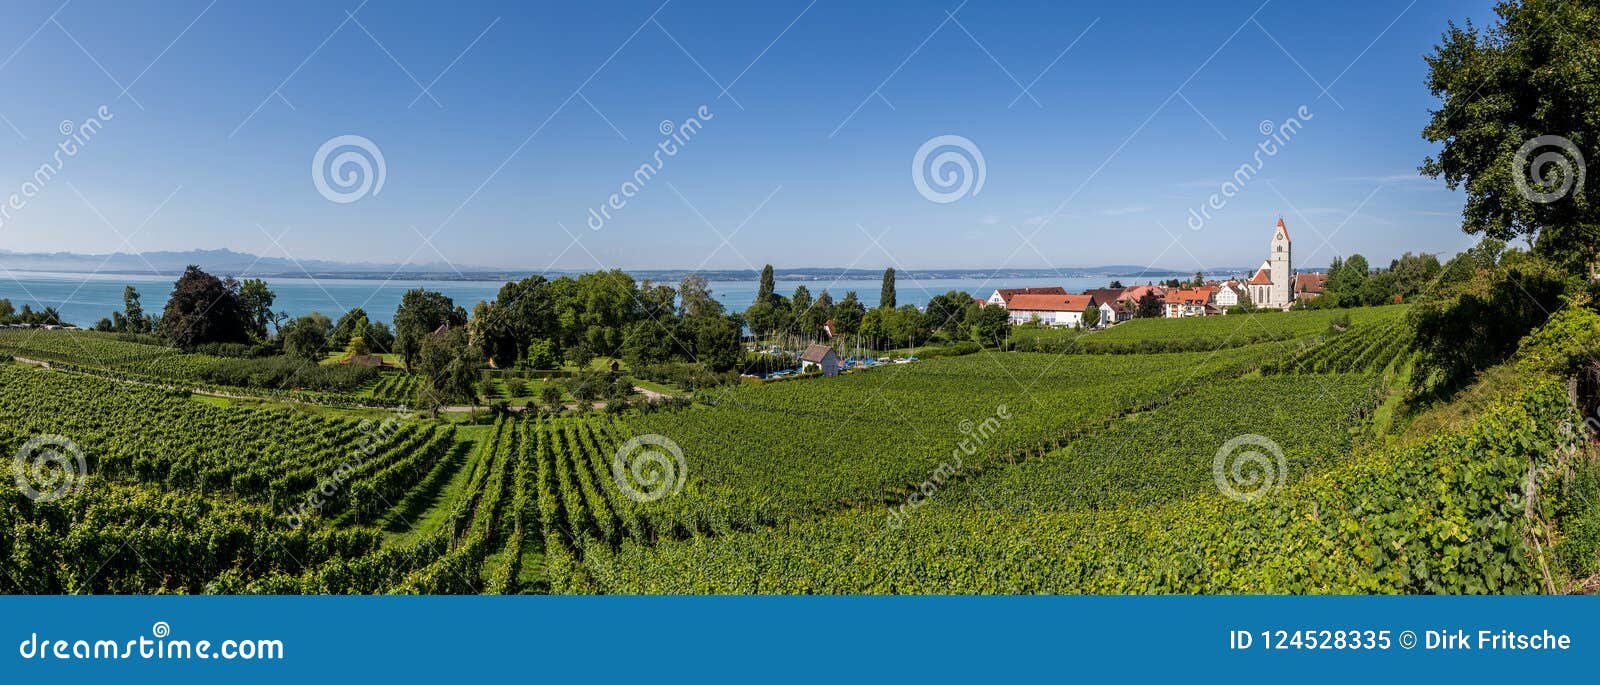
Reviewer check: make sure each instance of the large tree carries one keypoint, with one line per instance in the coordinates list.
(1517, 122)
(764, 291)
(422, 312)
(257, 298)
(133, 318)
(205, 309)
(886, 295)
(307, 337)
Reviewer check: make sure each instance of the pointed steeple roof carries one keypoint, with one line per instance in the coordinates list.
(1283, 228)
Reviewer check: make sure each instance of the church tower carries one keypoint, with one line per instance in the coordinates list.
(1280, 267)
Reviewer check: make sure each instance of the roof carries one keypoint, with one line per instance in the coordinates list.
(1200, 295)
(1104, 295)
(1263, 275)
(1051, 303)
(815, 353)
(1284, 228)
(1007, 293)
(1309, 283)
(1137, 292)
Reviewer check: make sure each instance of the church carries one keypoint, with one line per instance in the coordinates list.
(1270, 286)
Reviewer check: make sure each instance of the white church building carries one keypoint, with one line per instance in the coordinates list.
(1270, 286)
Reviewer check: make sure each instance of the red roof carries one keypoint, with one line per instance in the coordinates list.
(1191, 296)
(1051, 303)
(1007, 293)
(1283, 228)
(1261, 278)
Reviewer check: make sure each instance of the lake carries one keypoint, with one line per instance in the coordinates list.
(83, 299)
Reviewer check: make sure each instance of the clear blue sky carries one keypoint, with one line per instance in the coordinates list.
(1149, 112)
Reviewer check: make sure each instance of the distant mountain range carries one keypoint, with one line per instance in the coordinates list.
(226, 262)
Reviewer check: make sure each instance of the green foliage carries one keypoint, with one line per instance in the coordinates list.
(1502, 87)
(205, 309)
(1443, 516)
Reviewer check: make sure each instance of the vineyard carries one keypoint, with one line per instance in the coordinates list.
(92, 350)
(1142, 460)
(395, 388)
(1359, 527)
(1373, 347)
(990, 472)
(1249, 327)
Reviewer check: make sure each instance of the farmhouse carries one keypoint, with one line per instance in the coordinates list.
(822, 357)
(1050, 310)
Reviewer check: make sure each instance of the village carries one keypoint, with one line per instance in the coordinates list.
(1274, 285)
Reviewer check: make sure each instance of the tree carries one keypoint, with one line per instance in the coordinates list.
(764, 291)
(695, 295)
(1150, 306)
(257, 300)
(1346, 281)
(886, 294)
(1091, 316)
(947, 312)
(550, 395)
(542, 355)
(1116, 285)
(799, 308)
(422, 312)
(134, 320)
(204, 309)
(449, 365)
(991, 325)
(1505, 93)
(1199, 280)
(307, 336)
(352, 323)
(847, 314)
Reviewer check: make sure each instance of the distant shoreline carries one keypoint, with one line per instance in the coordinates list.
(784, 275)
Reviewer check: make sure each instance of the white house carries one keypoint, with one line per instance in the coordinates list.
(1229, 295)
(822, 357)
(1003, 296)
(1051, 310)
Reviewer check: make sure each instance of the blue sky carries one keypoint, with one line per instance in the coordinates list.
(544, 109)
